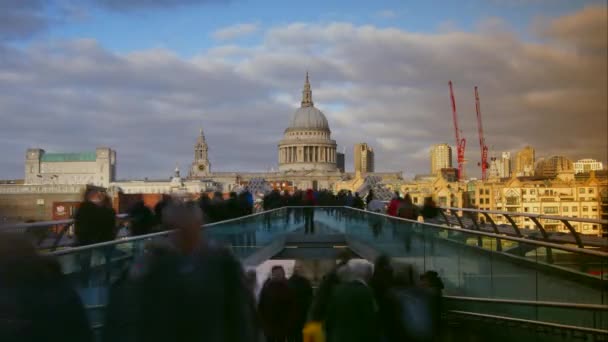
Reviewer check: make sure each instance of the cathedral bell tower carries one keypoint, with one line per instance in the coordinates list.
(201, 166)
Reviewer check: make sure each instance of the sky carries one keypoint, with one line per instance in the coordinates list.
(143, 76)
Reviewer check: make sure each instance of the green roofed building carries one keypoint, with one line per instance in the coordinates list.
(92, 167)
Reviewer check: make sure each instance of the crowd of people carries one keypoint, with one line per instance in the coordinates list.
(354, 302)
(187, 288)
(405, 208)
(190, 289)
(95, 221)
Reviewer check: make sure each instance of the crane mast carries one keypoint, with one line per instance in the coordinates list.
(482, 141)
(460, 142)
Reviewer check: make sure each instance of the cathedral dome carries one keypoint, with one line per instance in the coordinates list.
(308, 118)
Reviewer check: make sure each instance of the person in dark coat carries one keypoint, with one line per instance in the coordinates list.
(248, 201)
(429, 209)
(121, 311)
(318, 310)
(370, 197)
(277, 307)
(358, 202)
(309, 211)
(381, 282)
(302, 290)
(158, 213)
(352, 312)
(142, 219)
(37, 303)
(417, 308)
(94, 222)
(232, 206)
(407, 209)
(190, 289)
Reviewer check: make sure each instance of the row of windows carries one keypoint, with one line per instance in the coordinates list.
(481, 201)
(565, 209)
(585, 227)
(308, 133)
(551, 192)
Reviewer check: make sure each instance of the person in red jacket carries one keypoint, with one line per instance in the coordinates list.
(393, 206)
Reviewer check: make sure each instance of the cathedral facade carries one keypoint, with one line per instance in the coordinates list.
(307, 159)
(306, 154)
(307, 143)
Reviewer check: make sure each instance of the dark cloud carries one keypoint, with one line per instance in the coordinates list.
(20, 19)
(23, 19)
(585, 30)
(387, 87)
(135, 5)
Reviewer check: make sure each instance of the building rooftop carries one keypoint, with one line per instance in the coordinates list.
(68, 157)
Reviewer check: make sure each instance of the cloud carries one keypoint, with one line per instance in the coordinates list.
(387, 87)
(586, 30)
(136, 5)
(24, 19)
(235, 31)
(20, 19)
(386, 14)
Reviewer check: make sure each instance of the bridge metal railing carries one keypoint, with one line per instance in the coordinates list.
(470, 219)
(589, 318)
(585, 320)
(51, 235)
(468, 269)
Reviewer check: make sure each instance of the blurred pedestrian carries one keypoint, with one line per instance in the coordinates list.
(393, 206)
(190, 289)
(277, 307)
(302, 290)
(94, 222)
(309, 212)
(416, 308)
(37, 302)
(232, 206)
(352, 313)
(318, 311)
(141, 219)
(370, 197)
(429, 209)
(248, 201)
(407, 209)
(358, 202)
(381, 282)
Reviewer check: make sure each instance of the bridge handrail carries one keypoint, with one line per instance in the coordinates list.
(535, 218)
(41, 224)
(151, 235)
(531, 322)
(496, 236)
(540, 216)
(594, 307)
(439, 226)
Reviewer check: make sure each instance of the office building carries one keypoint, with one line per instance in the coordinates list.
(364, 158)
(441, 158)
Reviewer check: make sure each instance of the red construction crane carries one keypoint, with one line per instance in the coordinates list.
(460, 142)
(482, 141)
